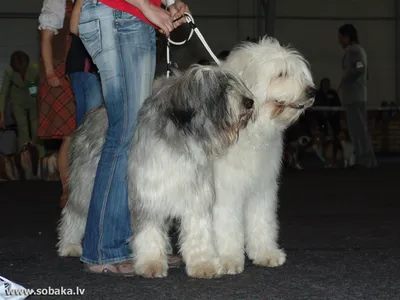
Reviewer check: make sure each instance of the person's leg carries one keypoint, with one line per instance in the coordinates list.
(334, 123)
(367, 155)
(123, 48)
(93, 92)
(356, 123)
(351, 116)
(77, 81)
(21, 119)
(34, 123)
(321, 121)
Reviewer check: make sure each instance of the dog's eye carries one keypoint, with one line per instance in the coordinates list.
(248, 103)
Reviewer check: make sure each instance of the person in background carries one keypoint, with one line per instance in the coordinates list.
(353, 88)
(56, 101)
(19, 86)
(82, 72)
(326, 96)
(74, 62)
(120, 37)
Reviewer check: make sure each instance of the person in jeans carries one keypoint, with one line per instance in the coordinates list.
(120, 37)
(354, 95)
(82, 72)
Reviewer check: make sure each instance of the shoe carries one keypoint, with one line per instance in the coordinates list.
(124, 269)
(174, 261)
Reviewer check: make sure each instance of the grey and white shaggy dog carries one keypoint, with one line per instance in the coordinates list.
(189, 120)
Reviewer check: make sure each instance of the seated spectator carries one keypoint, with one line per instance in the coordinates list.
(328, 97)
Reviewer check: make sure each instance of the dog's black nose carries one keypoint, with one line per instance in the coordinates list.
(311, 92)
(248, 103)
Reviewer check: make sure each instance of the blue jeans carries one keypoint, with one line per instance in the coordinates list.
(87, 90)
(124, 50)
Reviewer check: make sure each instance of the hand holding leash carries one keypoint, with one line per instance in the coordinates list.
(178, 9)
(159, 17)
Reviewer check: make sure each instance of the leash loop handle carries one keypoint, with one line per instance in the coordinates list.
(194, 29)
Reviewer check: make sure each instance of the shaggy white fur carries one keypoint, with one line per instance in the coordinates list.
(175, 172)
(246, 179)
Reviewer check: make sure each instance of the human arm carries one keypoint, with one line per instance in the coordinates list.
(156, 15)
(74, 22)
(52, 15)
(47, 55)
(356, 65)
(5, 87)
(177, 10)
(51, 19)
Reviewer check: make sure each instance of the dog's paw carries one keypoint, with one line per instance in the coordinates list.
(270, 258)
(207, 269)
(232, 265)
(74, 250)
(152, 269)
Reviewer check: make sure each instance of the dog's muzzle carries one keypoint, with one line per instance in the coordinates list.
(310, 93)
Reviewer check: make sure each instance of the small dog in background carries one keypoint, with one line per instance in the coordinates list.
(334, 153)
(327, 150)
(188, 120)
(296, 139)
(292, 150)
(26, 165)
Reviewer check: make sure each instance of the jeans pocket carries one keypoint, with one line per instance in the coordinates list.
(90, 34)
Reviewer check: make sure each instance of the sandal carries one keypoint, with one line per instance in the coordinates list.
(174, 261)
(124, 269)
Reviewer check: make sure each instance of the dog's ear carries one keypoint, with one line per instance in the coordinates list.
(182, 117)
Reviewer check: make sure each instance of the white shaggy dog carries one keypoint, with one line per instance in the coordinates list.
(188, 121)
(245, 214)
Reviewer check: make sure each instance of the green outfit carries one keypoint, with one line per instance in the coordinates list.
(22, 95)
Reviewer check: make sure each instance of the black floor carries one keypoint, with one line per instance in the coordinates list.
(340, 229)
